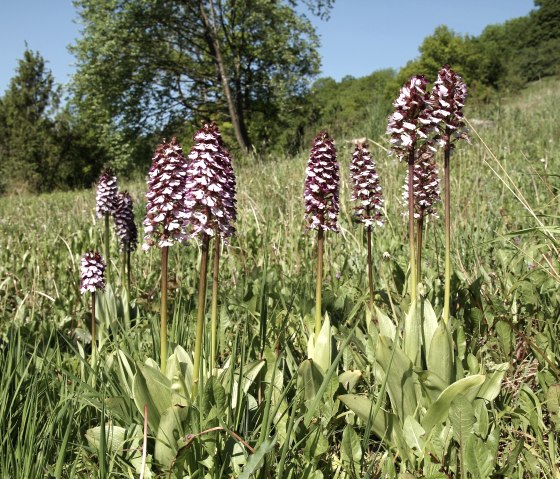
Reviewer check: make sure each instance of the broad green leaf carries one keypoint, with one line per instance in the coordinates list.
(309, 379)
(322, 347)
(169, 431)
(255, 459)
(349, 379)
(440, 358)
(411, 333)
(401, 379)
(151, 387)
(491, 386)
(429, 325)
(553, 404)
(481, 414)
(413, 433)
(461, 416)
(351, 450)
(439, 410)
(316, 444)
(480, 456)
(115, 438)
(387, 327)
(431, 384)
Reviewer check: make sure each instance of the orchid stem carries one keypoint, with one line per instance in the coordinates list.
(163, 310)
(319, 286)
(413, 279)
(370, 265)
(200, 315)
(215, 287)
(447, 199)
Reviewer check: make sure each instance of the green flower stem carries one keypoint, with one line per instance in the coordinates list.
(447, 200)
(413, 279)
(214, 320)
(163, 310)
(126, 292)
(319, 287)
(200, 315)
(107, 241)
(93, 339)
(128, 270)
(370, 266)
(419, 233)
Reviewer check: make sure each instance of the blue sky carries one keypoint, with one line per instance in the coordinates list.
(361, 36)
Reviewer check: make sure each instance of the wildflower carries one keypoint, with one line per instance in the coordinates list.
(366, 191)
(447, 100)
(106, 193)
(166, 214)
(410, 123)
(210, 204)
(426, 186)
(322, 185)
(124, 222)
(92, 273)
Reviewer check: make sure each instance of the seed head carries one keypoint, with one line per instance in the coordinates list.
(124, 223)
(210, 187)
(93, 269)
(322, 184)
(106, 193)
(366, 190)
(410, 124)
(166, 214)
(447, 100)
(426, 186)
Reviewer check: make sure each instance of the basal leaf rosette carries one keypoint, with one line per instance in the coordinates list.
(106, 195)
(92, 273)
(366, 188)
(166, 213)
(210, 202)
(322, 183)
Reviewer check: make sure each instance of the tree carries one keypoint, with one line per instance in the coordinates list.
(29, 154)
(143, 64)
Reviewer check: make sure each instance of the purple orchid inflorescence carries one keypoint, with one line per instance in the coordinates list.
(366, 190)
(92, 273)
(127, 232)
(106, 195)
(166, 213)
(410, 124)
(210, 186)
(322, 185)
(426, 186)
(447, 100)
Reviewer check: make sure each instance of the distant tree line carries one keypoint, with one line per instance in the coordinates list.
(151, 69)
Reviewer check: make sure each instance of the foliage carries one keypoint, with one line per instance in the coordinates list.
(277, 390)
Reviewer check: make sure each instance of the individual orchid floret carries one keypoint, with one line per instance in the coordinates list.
(426, 186)
(127, 232)
(166, 214)
(366, 191)
(92, 273)
(106, 193)
(322, 185)
(410, 124)
(210, 187)
(447, 101)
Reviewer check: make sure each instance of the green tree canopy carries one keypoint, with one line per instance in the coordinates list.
(145, 64)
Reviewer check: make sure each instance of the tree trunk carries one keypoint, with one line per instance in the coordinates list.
(236, 116)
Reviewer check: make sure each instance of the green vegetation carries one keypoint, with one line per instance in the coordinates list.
(477, 400)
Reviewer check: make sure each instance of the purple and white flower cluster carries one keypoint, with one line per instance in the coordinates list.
(92, 273)
(127, 232)
(446, 102)
(322, 185)
(166, 212)
(209, 193)
(366, 190)
(426, 184)
(106, 196)
(410, 123)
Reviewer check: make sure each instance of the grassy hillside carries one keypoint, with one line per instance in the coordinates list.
(505, 203)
